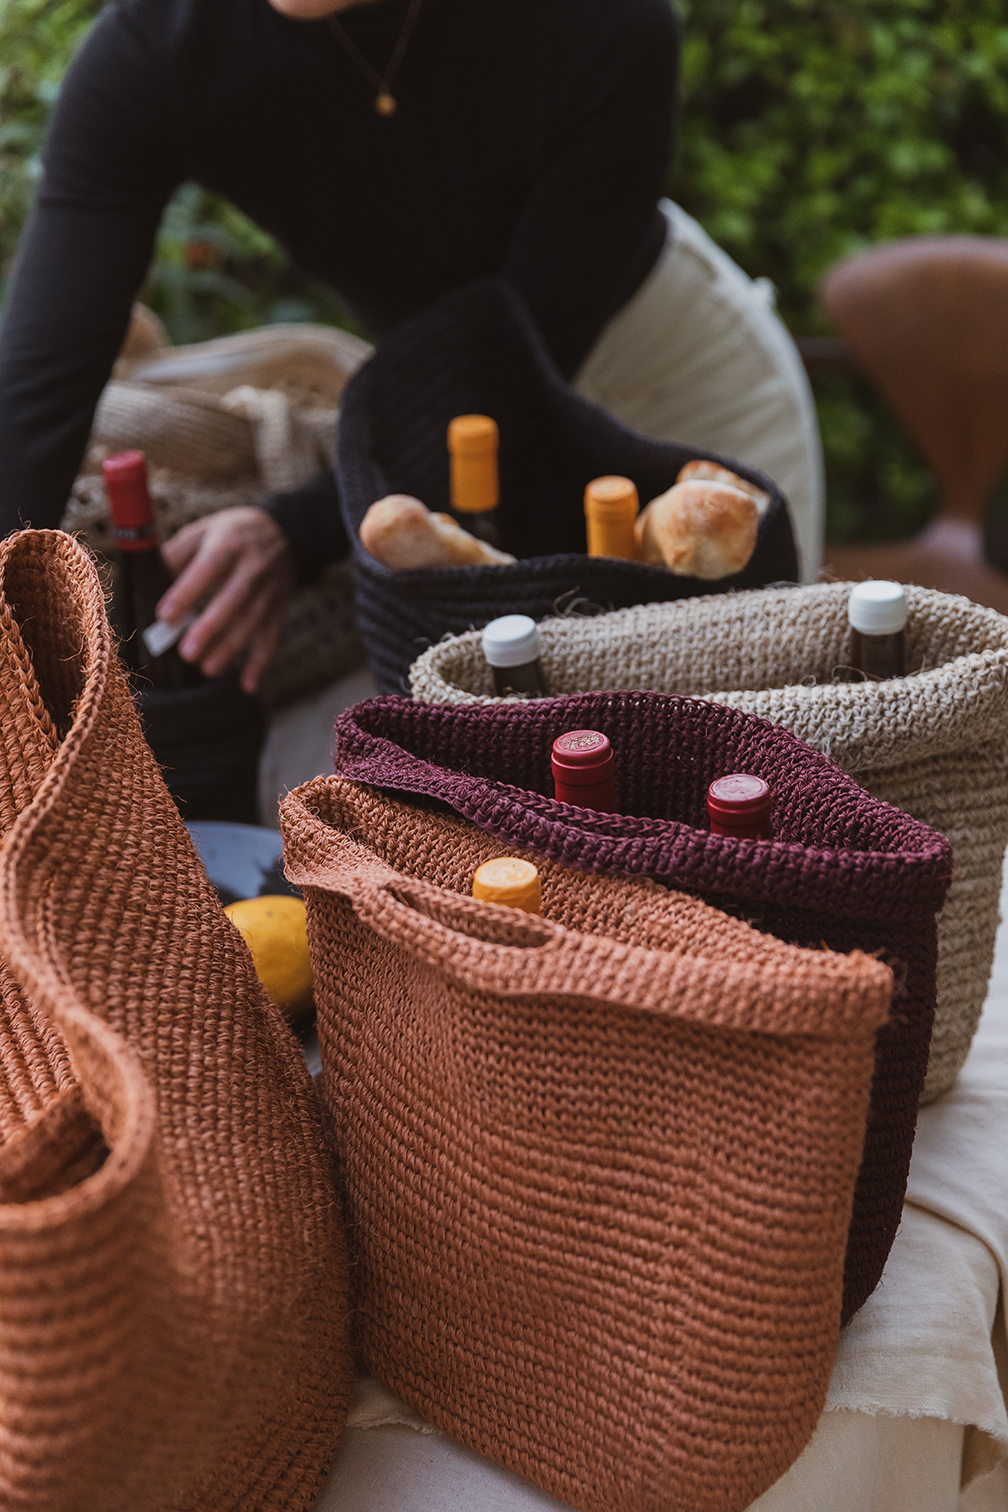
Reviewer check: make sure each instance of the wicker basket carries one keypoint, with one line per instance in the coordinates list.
(598, 1164)
(228, 422)
(479, 350)
(935, 743)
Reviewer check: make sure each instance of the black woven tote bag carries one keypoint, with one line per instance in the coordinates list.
(479, 351)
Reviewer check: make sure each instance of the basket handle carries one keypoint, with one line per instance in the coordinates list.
(485, 947)
(472, 938)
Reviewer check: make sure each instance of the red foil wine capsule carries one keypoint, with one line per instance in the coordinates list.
(740, 805)
(129, 501)
(584, 770)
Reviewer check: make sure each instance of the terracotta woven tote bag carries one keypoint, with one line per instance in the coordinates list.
(935, 743)
(173, 1290)
(846, 870)
(599, 1164)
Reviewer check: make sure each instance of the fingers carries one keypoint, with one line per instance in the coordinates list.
(237, 631)
(262, 647)
(183, 545)
(210, 566)
(240, 557)
(225, 609)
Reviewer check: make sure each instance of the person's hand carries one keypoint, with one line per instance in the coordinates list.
(242, 557)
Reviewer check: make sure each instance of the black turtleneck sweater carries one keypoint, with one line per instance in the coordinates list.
(531, 143)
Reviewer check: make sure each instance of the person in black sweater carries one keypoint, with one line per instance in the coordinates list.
(530, 141)
(522, 139)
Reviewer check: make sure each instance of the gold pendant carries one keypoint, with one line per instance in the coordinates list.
(385, 104)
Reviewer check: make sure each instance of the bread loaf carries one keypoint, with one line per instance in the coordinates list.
(699, 529)
(713, 472)
(401, 533)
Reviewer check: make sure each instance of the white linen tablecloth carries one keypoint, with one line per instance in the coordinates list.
(915, 1406)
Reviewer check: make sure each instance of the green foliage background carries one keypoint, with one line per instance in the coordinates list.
(809, 128)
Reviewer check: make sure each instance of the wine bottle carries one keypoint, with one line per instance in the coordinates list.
(877, 614)
(584, 770)
(146, 644)
(611, 507)
(740, 805)
(513, 647)
(510, 881)
(475, 478)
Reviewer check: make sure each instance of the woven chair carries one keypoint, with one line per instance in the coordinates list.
(926, 320)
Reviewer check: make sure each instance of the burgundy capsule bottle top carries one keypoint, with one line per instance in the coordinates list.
(129, 499)
(740, 804)
(584, 770)
(582, 756)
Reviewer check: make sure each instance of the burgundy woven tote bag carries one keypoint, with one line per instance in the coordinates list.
(599, 1163)
(174, 1323)
(845, 869)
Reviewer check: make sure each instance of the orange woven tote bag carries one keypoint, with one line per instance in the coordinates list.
(173, 1291)
(599, 1164)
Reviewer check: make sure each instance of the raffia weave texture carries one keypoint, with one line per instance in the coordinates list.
(174, 1327)
(478, 349)
(845, 869)
(599, 1164)
(935, 743)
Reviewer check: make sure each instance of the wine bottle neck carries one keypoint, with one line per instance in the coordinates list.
(135, 538)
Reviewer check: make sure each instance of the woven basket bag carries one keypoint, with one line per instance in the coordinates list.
(598, 1164)
(845, 870)
(478, 349)
(174, 1325)
(935, 743)
(228, 422)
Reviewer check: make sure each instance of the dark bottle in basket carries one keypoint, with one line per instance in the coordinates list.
(475, 478)
(584, 770)
(877, 614)
(513, 649)
(142, 578)
(740, 805)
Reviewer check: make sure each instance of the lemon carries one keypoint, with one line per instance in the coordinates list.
(274, 929)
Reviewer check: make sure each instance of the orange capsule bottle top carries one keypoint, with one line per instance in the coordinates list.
(475, 481)
(611, 506)
(510, 881)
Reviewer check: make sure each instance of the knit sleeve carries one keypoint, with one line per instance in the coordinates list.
(107, 173)
(590, 230)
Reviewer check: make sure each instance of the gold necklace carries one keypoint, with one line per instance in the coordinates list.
(385, 103)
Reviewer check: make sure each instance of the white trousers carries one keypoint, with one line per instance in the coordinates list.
(699, 355)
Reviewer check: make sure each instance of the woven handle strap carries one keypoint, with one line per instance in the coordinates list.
(487, 948)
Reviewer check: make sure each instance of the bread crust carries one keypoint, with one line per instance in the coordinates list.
(402, 533)
(713, 472)
(699, 529)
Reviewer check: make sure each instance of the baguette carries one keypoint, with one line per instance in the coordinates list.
(401, 533)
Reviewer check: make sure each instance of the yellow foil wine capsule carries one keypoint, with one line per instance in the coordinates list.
(611, 507)
(510, 881)
(475, 482)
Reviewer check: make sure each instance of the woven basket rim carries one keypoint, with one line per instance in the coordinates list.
(433, 674)
(349, 863)
(362, 744)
